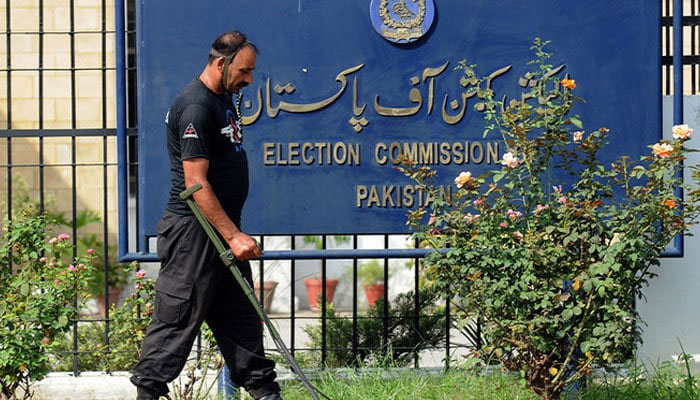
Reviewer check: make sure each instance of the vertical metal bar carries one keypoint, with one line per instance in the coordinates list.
(122, 167)
(323, 305)
(693, 28)
(141, 240)
(677, 62)
(354, 301)
(105, 203)
(199, 346)
(385, 317)
(261, 277)
(416, 304)
(667, 41)
(41, 105)
(448, 298)
(292, 306)
(678, 87)
(74, 194)
(8, 46)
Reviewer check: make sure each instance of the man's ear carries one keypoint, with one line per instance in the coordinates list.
(220, 64)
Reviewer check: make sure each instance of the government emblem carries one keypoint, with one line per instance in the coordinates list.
(401, 21)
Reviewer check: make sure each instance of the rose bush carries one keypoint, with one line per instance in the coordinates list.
(41, 287)
(550, 250)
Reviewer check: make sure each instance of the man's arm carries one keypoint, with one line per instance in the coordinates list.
(243, 246)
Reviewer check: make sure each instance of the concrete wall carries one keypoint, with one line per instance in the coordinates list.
(670, 308)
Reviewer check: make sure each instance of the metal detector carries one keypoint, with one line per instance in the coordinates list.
(228, 259)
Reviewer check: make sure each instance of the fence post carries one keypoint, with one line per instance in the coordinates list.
(227, 390)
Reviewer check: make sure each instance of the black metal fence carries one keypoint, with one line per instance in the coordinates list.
(58, 134)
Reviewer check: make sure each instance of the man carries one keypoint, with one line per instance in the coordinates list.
(205, 147)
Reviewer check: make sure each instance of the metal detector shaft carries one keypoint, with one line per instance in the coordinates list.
(229, 260)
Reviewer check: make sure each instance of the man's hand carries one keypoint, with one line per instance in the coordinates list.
(244, 247)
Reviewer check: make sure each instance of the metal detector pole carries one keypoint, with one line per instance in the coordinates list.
(228, 259)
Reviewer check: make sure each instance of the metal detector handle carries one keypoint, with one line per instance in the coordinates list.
(229, 260)
(224, 253)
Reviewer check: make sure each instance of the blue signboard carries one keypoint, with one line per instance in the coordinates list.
(343, 87)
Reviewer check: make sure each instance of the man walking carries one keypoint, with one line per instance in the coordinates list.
(205, 146)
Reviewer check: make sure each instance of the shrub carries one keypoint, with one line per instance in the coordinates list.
(41, 288)
(403, 340)
(550, 250)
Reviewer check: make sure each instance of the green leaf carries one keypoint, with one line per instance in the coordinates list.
(498, 176)
(577, 122)
(585, 346)
(587, 285)
(24, 289)
(567, 314)
(62, 321)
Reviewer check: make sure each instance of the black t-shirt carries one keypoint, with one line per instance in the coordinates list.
(201, 123)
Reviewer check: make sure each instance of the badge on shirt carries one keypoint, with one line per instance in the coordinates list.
(231, 131)
(190, 132)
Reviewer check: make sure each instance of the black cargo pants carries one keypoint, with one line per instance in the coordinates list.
(193, 286)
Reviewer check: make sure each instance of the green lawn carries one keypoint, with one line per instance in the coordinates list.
(408, 385)
(669, 382)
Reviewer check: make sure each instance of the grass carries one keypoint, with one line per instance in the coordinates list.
(668, 381)
(409, 384)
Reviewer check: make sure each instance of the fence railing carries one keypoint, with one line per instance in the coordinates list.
(59, 149)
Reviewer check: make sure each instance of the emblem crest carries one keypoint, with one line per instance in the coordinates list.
(402, 21)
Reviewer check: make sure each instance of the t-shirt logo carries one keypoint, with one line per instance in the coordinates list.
(231, 130)
(190, 132)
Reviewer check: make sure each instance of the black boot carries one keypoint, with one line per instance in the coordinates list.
(143, 393)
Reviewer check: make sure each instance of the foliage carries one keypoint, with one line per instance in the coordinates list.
(550, 250)
(399, 384)
(371, 272)
(317, 241)
(129, 323)
(403, 340)
(118, 273)
(22, 201)
(91, 345)
(41, 288)
(668, 381)
(127, 331)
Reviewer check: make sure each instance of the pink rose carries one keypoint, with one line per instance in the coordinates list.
(140, 273)
(56, 281)
(63, 236)
(72, 268)
(53, 240)
(504, 225)
(46, 340)
(562, 200)
(513, 215)
(90, 251)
